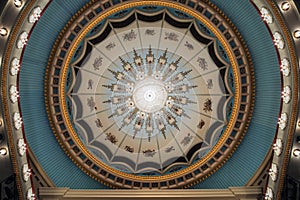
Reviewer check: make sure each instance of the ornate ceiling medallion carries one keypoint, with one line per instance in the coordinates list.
(149, 94)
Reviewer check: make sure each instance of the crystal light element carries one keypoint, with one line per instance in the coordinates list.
(150, 95)
(296, 152)
(277, 147)
(297, 34)
(3, 151)
(273, 172)
(22, 40)
(17, 120)
(286, 94)
(18, 3)
(3, 31)
(34, 15)
(278, 40)
(285, 67)
(285, 6)
(26, 172)
(14, 94)
(283, 121)
(269, 194)
(266, 15)
(21, 147)
(144, 94)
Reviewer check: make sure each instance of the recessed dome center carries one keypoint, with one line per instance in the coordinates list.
(149, 95)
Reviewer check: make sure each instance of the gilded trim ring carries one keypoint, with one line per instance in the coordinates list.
(232, 136)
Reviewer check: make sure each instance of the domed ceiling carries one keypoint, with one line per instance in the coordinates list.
(150, 94)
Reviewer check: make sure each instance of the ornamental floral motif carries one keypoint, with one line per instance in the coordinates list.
(266, 15)
(269, 194)
(35, 15)
(277, 146)
(282, 121)
(30, 195)
(286, 94)
(278, 40)
(14, 94)
(285, 67)
(17, 120)
(22, 40)
(273, 172)
(14, 66)
(21, 147)
(26, 172)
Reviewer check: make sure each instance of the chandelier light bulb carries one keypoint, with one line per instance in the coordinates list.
(297, 34)
(285, 6)
(296, 152)
(3, 151)
(3, 31)
(18, 3)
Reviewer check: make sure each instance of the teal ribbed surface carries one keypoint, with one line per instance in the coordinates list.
(236, 172)
(56, 164)
(253, 149)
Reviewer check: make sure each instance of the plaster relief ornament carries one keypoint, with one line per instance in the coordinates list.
(17, 120)
(266, 15)
(35, 15)
(22, 40)
(21, 147)
(269, 194)
(278, 40)
(273, 172)
(282, 121)
(285, 67)
(26, 172)
(14, 94)
(277, 146)
(30, 195)
(286, 94)
(14, 66)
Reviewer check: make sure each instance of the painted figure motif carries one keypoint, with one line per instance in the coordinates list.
(97, 63)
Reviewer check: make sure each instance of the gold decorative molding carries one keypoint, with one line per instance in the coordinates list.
(232, 193)
(64, 112)
(5, 95)
(294, 64)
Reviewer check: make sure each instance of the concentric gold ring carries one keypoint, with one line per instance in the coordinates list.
(216, 148)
